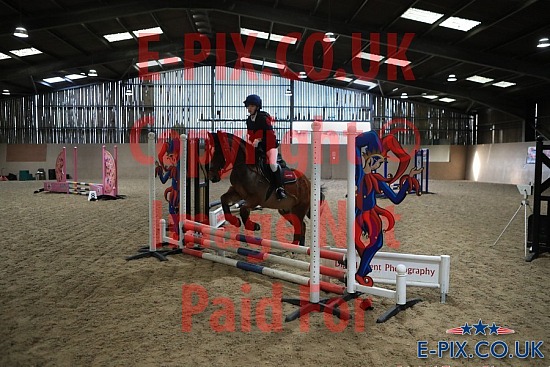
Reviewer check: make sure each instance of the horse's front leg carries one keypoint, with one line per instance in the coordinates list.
(245, 216)
(229, 198)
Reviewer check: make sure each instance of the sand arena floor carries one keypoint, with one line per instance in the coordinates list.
(69, 297)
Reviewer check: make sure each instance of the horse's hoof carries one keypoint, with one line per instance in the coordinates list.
(366, 304)
(366, 281)
(252, 226)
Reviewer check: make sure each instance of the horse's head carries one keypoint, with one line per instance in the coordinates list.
(217, 159)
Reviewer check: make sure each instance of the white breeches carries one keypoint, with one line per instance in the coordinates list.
(272, 159)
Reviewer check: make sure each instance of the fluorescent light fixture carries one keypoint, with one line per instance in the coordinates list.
(343, 79)
(504, 84)
(264, 35)
(147, 32)
(3, 56)
(452, 78)
(367, 56)
(397, 62)
(92, 73)
(329, 37)
(424, 16)
(262, 63)
(460, 24)
(447, 100)
(21, 32)
(479, 79)
(429, 96)
(26, 52)
(55, 79)
(6, 92)
(274, 65)
(284, 39)
(115, 37)
(365, 83)
(302, 75)
(255, 33)
(75, 76)
(170, 60)
(146, 64)
(544, 42)
(404, 95)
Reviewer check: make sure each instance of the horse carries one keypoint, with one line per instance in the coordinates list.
(250, 183)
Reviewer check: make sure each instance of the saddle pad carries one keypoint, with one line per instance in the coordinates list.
(288, 176)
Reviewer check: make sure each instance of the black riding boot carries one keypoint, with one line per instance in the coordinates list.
(278, 181)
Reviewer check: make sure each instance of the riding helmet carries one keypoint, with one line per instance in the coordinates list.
(253, 99)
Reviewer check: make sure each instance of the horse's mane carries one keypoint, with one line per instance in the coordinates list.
(230, 138)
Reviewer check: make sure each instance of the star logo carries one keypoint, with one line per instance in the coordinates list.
(466, 329)
(480, 327)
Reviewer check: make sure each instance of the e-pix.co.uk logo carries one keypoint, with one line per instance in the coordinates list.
(482, 349)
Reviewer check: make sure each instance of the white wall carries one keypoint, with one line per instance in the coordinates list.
(501, 163)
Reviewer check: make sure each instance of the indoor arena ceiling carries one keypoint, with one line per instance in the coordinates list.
(500, 45)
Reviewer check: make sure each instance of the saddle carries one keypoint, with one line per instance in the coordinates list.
(261, 162)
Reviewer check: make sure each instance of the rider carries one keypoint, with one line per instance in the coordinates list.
(260, 133)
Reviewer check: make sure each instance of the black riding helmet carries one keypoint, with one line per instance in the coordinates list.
(253, 99)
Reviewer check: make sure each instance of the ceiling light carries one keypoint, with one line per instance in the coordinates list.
(255, 33)
(288, 92)
(544, 42)
(452, 78)
(262, 63)
(420, 15)
(3, 56)
(92, 73)
(429, 96)
(479, 79)
(264, 35)
(366, 83)
(21, 32)
(447, 100)
(170, 60)
(398, 62)
(115, 37)
(55, 79)
(343, 78)
(404, 95)
(6, 92)
(75, 76)
(367, 56)
(302, 75)
(26, 52)
(504, 84)
(329, 37)
(147, 31)
(146, 64)
(460, 24)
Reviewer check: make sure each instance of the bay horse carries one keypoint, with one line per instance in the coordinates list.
(249, 183)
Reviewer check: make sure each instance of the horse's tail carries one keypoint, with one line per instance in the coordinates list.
(321, 203)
